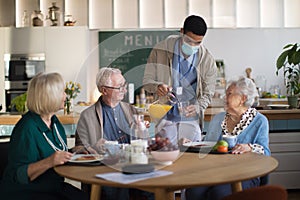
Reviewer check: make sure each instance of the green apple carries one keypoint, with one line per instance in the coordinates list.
(222, 143)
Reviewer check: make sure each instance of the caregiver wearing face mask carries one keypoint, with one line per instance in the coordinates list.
(182, 65)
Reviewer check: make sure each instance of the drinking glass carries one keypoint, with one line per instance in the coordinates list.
(182, 107)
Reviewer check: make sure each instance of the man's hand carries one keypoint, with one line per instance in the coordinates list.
(163, 89)
(191, 111)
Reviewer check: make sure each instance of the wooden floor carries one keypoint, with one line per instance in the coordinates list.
(292, 195)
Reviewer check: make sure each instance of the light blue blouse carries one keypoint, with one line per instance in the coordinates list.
(256, 133)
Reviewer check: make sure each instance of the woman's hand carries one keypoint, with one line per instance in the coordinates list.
(34, 170)
(60, 158)
(241, 148)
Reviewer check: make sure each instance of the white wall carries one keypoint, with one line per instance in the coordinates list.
(67, 51)
(241, 48)
(255, 48)
(73, 51)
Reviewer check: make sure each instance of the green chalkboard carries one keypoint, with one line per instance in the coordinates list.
(129, 50)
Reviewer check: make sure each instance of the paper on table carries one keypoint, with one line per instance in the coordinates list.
(130, 178)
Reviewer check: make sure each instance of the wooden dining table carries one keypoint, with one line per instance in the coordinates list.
(189, 170)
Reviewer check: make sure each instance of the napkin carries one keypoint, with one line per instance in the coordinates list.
(130, 178)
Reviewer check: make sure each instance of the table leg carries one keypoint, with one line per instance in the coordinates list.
(95, 192)
(236, 187)
(162, 194)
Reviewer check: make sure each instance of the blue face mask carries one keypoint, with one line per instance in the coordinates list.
(188, 49)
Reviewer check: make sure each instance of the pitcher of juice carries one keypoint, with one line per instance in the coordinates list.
(158, 109)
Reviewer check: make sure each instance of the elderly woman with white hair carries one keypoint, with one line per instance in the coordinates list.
(245, 122)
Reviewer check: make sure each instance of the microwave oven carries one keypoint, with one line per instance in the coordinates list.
(22, 67)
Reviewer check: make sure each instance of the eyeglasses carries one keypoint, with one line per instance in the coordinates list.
(122, 87)
(189, 40)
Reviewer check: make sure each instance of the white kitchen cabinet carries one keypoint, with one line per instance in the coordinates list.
(67, 52)
(100, 14)
(7, 13)
(18, 41)
(285, 147)
(24, 40)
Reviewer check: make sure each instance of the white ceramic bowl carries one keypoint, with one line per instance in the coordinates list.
(165, 156)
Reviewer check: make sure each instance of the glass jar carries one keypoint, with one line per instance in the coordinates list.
(37, 18)
(139, 152)
(140, 130)
(25, 19)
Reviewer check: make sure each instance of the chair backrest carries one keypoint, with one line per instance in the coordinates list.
(3, 156)
(273, 192)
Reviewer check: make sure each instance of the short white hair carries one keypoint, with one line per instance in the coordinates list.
(104, 76)
(246, 87)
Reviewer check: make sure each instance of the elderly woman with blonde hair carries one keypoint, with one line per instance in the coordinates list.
(243, 121)
(37, 144)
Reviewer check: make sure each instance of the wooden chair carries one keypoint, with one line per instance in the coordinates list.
(273, 192)
(3, 156)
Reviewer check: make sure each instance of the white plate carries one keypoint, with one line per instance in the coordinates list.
(278, 106)
(204, 144)
(76, 156)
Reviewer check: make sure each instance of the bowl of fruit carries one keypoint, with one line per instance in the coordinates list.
(163, 151)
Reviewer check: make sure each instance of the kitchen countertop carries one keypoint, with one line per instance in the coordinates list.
(7, 119)
(275, 114)
(271, 114)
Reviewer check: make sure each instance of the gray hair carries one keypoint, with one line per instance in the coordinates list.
(247, 87)
(45, 93)
(104, 76)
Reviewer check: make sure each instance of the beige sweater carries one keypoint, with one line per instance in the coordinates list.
(159, 70)
(90, 125)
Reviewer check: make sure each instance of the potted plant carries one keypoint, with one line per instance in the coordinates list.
(19, 102)
(289, 62)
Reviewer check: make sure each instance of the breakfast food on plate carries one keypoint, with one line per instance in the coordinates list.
(162, 144)
(87, 157)
(201, 145)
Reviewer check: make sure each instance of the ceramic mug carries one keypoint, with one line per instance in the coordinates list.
(231, 140)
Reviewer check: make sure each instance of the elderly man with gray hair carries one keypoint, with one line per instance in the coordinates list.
(109, 119)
